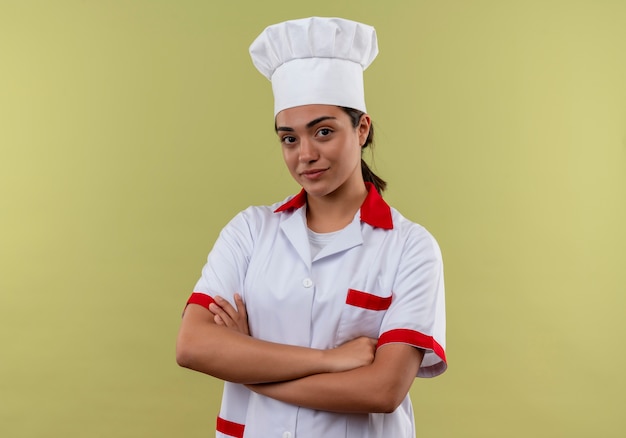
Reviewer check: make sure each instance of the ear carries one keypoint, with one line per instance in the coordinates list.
(363, 129)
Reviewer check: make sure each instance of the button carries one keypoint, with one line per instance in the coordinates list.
(286, 434)
(307, 282)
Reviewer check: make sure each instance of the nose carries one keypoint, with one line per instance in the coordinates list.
(308, 151)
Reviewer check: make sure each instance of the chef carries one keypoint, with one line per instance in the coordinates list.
(318, 311)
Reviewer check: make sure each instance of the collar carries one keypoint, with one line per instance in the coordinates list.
(374, 210)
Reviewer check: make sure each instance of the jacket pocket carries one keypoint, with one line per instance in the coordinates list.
(362, 315)
(366, 300)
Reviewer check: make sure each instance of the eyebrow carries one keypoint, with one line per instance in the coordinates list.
(308, 125)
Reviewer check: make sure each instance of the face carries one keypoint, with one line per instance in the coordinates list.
(321, 148)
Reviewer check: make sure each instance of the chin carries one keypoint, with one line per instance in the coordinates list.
(320, 191)
(315, 189)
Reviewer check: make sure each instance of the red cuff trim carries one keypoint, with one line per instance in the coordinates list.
(229, 428)
(201, 299)
(414, 338)
(367, 301)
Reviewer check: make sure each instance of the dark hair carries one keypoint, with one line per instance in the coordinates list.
(368, 176)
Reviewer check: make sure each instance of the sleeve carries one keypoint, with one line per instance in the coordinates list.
(416, 315)
(227, 263)
(224, 275)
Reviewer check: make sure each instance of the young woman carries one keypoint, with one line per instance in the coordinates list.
(344, 297)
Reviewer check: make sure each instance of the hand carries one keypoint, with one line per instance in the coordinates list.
(226, 315)
(356, 353)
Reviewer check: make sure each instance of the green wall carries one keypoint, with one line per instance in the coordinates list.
(132, 131)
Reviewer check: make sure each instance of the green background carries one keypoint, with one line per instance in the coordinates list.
(132, 131)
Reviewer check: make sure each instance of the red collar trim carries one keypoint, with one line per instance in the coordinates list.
(374, 210)
(294, 203)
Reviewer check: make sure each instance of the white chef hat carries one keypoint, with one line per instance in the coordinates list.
(315, 61)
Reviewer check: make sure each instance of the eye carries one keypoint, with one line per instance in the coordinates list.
(323, 132)
(288, 139)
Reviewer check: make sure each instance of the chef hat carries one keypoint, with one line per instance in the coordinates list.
(315, 61)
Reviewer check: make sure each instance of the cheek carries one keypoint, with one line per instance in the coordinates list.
(290, 160)
(353, 154)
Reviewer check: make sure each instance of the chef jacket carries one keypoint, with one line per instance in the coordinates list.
(381, 277)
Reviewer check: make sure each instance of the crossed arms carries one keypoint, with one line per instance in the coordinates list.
(354, 377)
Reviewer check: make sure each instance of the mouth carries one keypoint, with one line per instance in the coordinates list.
(313, 173)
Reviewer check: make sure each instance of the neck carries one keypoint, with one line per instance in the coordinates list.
(336, 210)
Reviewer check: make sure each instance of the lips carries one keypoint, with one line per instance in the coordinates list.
(313, 173)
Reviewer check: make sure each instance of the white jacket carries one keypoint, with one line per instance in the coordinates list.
(381, 277)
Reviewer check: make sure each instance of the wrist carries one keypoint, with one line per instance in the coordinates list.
(328, 361)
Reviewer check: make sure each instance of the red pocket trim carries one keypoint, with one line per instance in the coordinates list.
(367, 301)
(229, 428)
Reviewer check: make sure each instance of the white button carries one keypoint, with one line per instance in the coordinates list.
(307, 282)
(286, 434)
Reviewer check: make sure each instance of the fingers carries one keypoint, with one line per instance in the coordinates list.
(224, 314)
(242, 314)
(226, 306)
(220, 316)
(241, 307)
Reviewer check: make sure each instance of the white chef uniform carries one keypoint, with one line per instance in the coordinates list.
(381, 277)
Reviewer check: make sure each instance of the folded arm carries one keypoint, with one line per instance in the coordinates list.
(229, 354)
(378, 387)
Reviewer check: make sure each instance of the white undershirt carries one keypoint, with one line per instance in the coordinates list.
(317, 241)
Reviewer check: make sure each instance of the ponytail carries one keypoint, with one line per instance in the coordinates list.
(368, 175)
